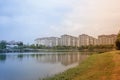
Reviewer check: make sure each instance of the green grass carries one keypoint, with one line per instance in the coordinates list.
(95, 67)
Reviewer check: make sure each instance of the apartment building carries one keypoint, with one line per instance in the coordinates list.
(67, 40)
(85, 40)
(82, 40)
(48, 41)
(107, 39)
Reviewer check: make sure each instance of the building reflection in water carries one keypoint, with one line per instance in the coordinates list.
(65, 58)
(32, 66)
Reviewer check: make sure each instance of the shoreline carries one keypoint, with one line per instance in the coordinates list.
(96, 66)
(52, 50)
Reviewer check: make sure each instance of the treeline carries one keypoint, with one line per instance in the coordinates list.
(90, 47)
(4, 45)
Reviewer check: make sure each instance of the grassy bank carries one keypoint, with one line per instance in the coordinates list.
(105, 66)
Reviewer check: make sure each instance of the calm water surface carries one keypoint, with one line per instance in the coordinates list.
(34, 66)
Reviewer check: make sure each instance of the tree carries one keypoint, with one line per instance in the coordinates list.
(20, 43)
(118, 42)
(3, 44)
(90, 47)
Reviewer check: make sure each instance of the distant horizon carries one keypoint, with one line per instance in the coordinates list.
(25, 20)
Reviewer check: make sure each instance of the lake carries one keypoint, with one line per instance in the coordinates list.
(37, 65)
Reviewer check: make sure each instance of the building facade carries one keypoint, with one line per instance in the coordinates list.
(82, 40)
(85, 40)
(48, 41)
(67, 40)
(107, 39)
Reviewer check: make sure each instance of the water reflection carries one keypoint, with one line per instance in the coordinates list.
(32, 66)
(20, 56)
(2, 58)
(65, 58)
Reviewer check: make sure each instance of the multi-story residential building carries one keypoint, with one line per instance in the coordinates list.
(85, 40)
(75, 41)
(95, 41)
(68, 40)
(48, 41)
(92, 40)
(82, 40)
(107, 39)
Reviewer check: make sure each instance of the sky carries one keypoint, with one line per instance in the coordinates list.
(26, 20)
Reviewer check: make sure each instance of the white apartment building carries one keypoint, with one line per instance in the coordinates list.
(82, 40)
(48, 41)
(85, 40)
(67, 40)
(107, 39)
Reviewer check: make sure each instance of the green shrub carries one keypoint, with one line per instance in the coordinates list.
(118, 42)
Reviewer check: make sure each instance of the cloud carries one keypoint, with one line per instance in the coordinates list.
(93, 17)
(29, 19)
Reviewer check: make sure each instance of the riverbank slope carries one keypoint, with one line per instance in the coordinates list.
(105, 66)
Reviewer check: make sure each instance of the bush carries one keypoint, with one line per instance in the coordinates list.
(118, 42)
(3, 44)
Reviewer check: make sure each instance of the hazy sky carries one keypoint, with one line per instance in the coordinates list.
(25, 20)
